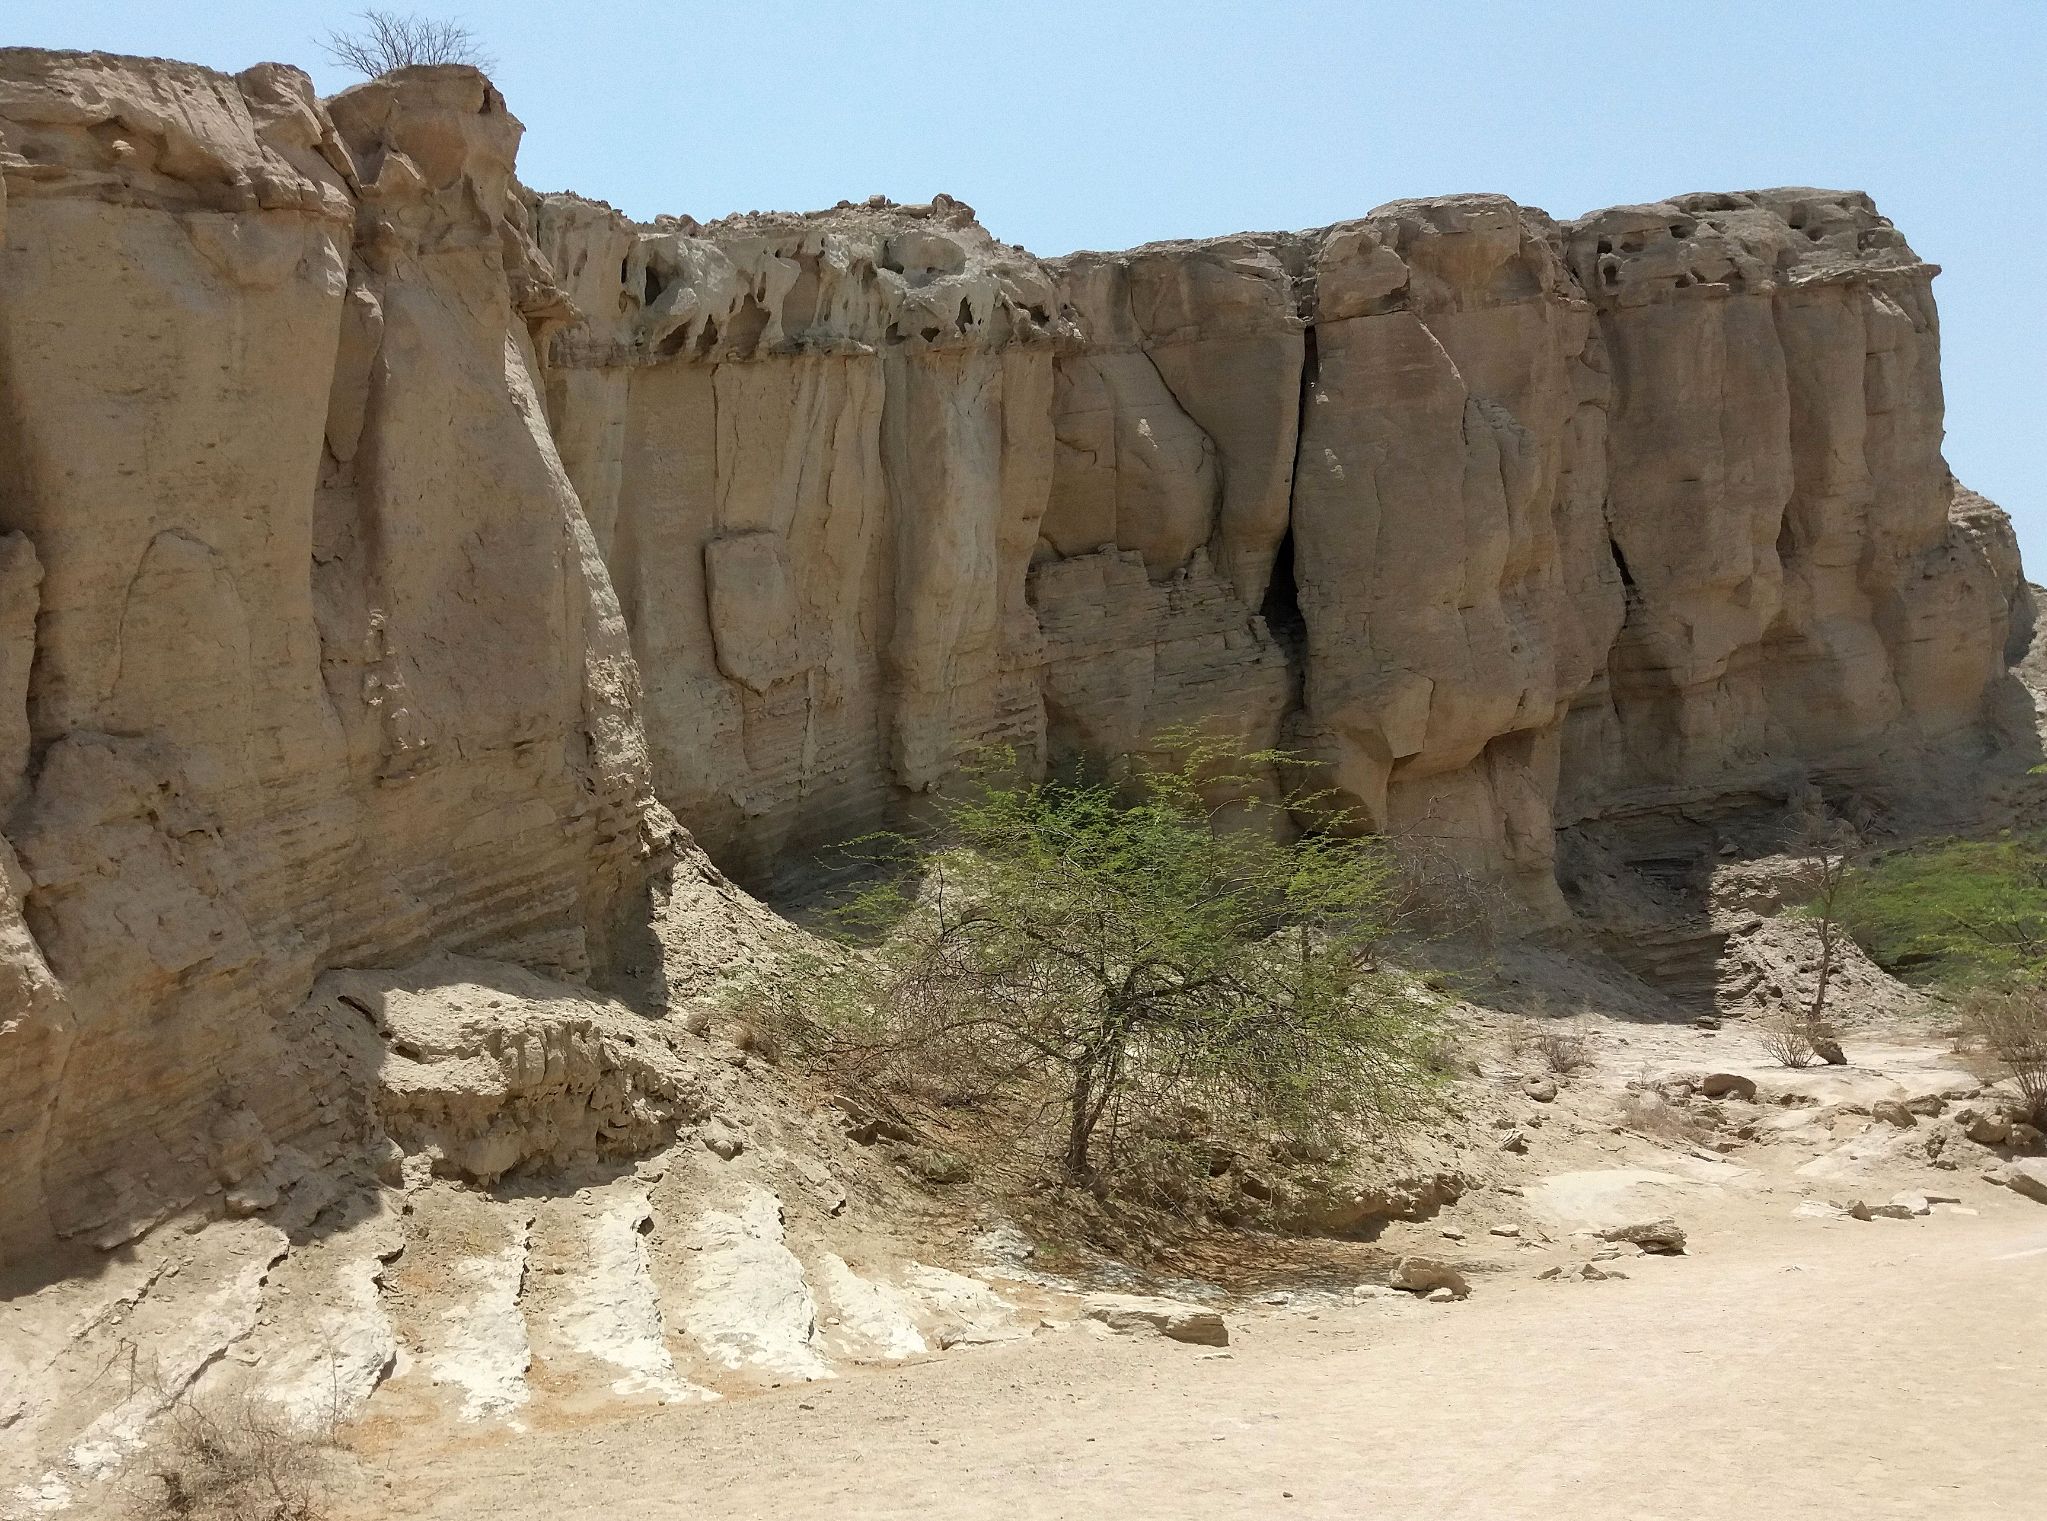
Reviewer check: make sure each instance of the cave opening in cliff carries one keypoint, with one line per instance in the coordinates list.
(1281, 608)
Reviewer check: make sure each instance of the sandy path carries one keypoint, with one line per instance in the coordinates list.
(1881, 1369)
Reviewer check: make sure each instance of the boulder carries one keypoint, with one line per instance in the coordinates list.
(2028, 1176)
(1425, 1275)
(1542, 1089)
(1728, 1085)
(1828, 1050)
(1892, 1112)
(1899, 1208)
(1322, 1206)
(1983, 1128)
(1663, 1237)
(723, 1140)
(1171, 1318)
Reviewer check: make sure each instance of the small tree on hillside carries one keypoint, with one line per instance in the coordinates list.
(1137, 952)
(387, 40)
(1826, 856)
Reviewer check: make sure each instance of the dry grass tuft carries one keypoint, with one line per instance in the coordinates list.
(1650, 1114)
(1559, 1048)
(235, 1457)
(2008, 1026)
(1787, 1040)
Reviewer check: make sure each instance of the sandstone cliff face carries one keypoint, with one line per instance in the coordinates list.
(309, 657)
(1512, 524)
(384, 550)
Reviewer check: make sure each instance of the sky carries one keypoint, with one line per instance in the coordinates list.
(1103, 123)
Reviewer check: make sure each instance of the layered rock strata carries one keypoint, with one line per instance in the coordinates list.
(1511, 523)
(385, 550)
(310, 656)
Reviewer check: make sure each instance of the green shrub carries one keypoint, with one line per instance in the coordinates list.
(1126, 954)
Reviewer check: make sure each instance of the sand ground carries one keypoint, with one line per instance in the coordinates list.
(1786, 1368)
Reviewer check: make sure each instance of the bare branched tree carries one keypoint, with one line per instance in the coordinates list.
(1826, 855)
(387, 40)
(2010, 1023)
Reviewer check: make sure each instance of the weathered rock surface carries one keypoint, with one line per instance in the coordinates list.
(326, 666)
(2026, 1175)
(1511, 523)
(1425, 1275)
(1170, 1318)
(1664, 1237)
(385, 551)
(483, 1068)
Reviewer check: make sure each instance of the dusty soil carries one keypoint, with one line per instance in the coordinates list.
(1816, 1368)
(1789, 1365)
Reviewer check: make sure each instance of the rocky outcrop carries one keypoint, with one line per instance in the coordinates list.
(326, 668)
(1512, 524)
(385, 550)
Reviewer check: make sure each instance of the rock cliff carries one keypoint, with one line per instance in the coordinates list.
(1511, 523)
(311, 657)
(386, 551)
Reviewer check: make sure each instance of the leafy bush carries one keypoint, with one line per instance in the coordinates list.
(1958, 913)
(1128, 954)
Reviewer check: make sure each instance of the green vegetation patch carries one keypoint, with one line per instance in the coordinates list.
(1956, 914)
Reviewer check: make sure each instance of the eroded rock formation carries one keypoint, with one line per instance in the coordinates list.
(326, 668)
(385, 550)
(1511, 523)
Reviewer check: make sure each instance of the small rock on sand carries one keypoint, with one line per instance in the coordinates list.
(1170, 1318)
(1728, 1085)
(1424, 1275)
(1984, 1129)
(1903, 1207)
(1664, 1237)
(2027, 1175)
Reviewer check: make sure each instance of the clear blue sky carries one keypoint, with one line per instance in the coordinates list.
(1102, 123)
